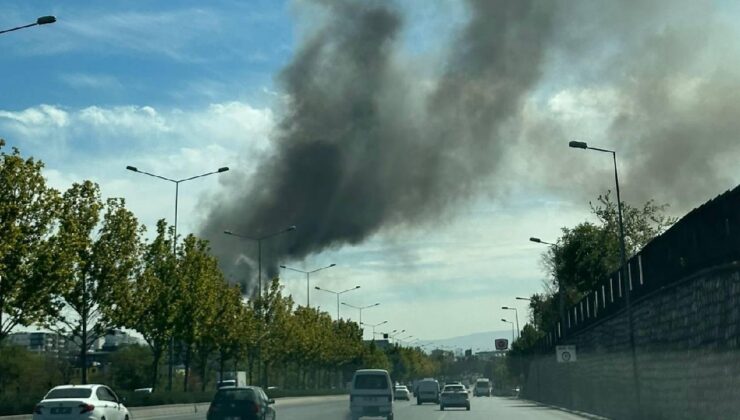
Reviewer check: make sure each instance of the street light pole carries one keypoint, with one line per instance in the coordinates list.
(308, 279)
(259, 239)
(623, 273)
(512, 329)
(373, 326)
(43, 20)
(516, 314)
(177, 183)
(337, 294)
(561, 289)
(360, 308)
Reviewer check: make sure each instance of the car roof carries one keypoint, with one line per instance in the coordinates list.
(87, 386)
(372, 371)
(238, 387)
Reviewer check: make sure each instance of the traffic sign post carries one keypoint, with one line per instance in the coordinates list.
(501, 344)
(565, 354)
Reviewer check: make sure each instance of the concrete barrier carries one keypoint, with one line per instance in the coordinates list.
(154, 411)
(166, 410)
(138, 413)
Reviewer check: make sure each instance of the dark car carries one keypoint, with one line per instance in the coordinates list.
(241, 403)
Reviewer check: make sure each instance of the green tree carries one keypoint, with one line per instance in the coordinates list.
(224, 332)
(199, 286)
(151, 301)
(129, 367)
(93, 263)
(28, 208)
(588, 253)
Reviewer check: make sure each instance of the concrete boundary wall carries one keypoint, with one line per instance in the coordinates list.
(687, 340)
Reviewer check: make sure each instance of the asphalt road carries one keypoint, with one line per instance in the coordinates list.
(482, 408)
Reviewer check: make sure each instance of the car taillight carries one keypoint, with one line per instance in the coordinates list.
(86, 408)
(256, 408)
(37, 409)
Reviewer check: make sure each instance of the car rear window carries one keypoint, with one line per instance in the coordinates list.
(454, 388)
(371, 382)
(69, 393)
(236, 395)
(482, 384)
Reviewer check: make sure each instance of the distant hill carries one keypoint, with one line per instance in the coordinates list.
(482, 341)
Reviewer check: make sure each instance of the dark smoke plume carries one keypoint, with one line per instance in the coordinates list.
(365, 145)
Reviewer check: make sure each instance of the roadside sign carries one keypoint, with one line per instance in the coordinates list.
(565, 354)
(501, 344)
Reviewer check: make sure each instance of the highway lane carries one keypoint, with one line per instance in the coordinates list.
(337, 408)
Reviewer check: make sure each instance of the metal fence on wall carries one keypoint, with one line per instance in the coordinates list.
(707, 236)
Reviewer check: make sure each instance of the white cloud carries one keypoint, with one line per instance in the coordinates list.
(99, 142)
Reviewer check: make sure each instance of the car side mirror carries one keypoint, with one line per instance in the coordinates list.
(124, 400)
(271, 401)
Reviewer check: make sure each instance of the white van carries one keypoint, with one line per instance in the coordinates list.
(427, 390)
(482, 387)
(371, 394)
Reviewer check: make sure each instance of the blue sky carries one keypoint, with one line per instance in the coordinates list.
(180, 88)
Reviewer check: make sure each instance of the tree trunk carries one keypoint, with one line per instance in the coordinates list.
(157, 356)
(83, 350)
(221, 365)
(203, 371)
(188, 352)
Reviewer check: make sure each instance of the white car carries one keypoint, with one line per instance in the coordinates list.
(401, 392)
(78, 402)
(454, 395)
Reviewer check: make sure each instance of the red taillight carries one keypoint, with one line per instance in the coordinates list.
(37, 409)
(86, 408)
(256, 408)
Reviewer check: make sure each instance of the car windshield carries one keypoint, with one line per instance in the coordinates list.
(316, 199)
(62, 393)
(371, 382)
(235, 395)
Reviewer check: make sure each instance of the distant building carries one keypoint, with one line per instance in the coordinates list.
(490, 355)
(381, 344)
(117, 338)
(39, 341)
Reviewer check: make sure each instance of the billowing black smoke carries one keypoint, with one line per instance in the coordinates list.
(366, 145)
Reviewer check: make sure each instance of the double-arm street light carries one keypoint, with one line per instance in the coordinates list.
(516, 314)
(259, 240)
(360, 308)
(373, 326)
(395, 333)
(308, 275)
(337, 294)
(623, 273)
(512, 328)
(177, 183)
(43, 20)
